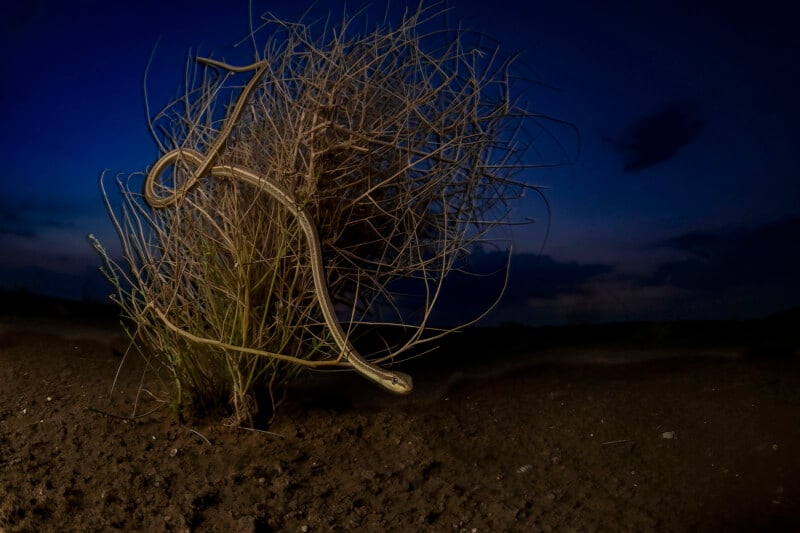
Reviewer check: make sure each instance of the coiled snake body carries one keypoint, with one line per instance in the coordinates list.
(393, 381)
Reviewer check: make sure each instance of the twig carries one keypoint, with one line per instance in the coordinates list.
(262, 431)
(199, 435)
(615, 442)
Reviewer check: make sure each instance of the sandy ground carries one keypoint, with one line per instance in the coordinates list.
(488, 442)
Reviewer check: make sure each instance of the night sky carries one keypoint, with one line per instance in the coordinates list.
(684, 201)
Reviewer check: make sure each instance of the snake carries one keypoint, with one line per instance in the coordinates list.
(396, 382)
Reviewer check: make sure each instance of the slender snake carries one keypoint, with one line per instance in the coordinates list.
(393, 381)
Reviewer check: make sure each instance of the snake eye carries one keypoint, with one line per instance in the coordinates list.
(394, 380)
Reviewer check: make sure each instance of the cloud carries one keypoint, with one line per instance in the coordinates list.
(657, 137)
(85, 284)
(16, 231)
(60, 264)
(542, 277)
(732, 273)
(531, 278)
(58, 224)
(13, 223)
(28, 219)
(766, 255)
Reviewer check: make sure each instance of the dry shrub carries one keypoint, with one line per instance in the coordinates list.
(404, 152)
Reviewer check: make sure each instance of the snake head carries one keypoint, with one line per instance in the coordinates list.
(398, 383)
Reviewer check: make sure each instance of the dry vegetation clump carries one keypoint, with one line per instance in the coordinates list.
(403, 147)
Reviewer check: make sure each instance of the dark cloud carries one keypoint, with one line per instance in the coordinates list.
(25, 219)
(767, 255)
(12, 223)
(85, 284)
(541, 276)
(530, 276)
(467, 294)
(657, 137)
(11, 230)
(58, 224)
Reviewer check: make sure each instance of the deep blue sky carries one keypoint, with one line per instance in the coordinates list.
(684, 202)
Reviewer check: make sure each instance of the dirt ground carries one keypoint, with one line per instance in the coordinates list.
(671, 440)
